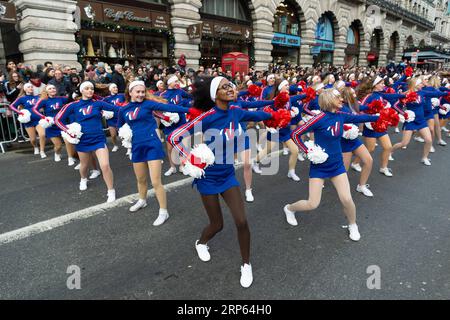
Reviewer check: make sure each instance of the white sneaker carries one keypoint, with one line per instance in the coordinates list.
(293, 176)
(70, 161)
(140, 204)
(249, 196)
(170, 172)
(386, 171)
(95, 174)
(300, 157)
(162, 217)
(83, 184)
(115, 149)
(391, 158)
(36, 151)
(246, 275)
(202, 251)
(259, 147)
(256, 168)
(419, 139)
(290, 216)
(43, 155)
(285, 151)
(111, 196)
(426, 162)
(354, 232)
(432, 150)
(77, 167)
(356, 167)
(405, 147)
(397, 130)
(442, 143)
(364, 190)
(445, 129)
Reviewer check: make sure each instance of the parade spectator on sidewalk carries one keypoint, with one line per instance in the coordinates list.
(62, 86)
(118, 78)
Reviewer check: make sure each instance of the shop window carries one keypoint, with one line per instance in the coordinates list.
(233, 9)
(286, 20)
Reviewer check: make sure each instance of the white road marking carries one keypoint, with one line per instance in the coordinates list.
(60, 221)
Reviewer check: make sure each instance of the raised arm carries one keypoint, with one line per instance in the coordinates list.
(157, 106)
(358, 118)
(256, 104)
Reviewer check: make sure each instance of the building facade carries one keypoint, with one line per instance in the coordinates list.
(299, 32)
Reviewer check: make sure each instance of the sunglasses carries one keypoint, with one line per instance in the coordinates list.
(226, 86)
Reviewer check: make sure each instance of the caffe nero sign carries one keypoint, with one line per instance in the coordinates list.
(286, 40)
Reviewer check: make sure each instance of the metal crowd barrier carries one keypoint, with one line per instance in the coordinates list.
(10, 131)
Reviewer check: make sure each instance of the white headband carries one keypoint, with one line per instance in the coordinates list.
(51, 85)
(282, 84)
(336, 93)
(340, 84)
(172, 80)
(159, 82)
(27, 85)
(84, 85)
(135, 84)
(395, 75)
(352, 75)
(320, 86)
(249, 82)
(270, 76)
(377, 81)
(214, 86)
(112, 85)
(419, 81)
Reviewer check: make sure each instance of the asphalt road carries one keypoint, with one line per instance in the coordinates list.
(405, 232)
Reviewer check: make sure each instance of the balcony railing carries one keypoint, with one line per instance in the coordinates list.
(393, 7)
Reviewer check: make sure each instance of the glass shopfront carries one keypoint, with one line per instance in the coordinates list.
(352, 50)
(116, 34)
(323, 50)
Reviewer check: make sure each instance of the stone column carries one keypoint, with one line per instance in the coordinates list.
(186, 13)
(47, 31)
(384, 49)
(308, 40)
(263, 33)
(2, 51)
(364, 48)
(340, 45)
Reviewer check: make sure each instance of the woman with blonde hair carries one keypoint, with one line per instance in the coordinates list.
(328, 127)
(417, 105)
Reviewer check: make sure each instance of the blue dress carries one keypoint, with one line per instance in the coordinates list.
(115, 100)
(178, 97)
(27, 102)
(328, 128)
(51, 107)
(349, 145)
(220, 129)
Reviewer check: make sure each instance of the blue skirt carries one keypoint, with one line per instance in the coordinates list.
(372, 134)
(296, 119)
(32, 123)
(112, 122)
(415, 125)
(348, 145)
(429, 116)
(284, 135)
(218, 179)
(242, 143)
(333, 167)
(89, 143)
(53, 132)
(147, 151)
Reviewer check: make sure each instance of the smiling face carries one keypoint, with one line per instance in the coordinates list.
(225, 92)
(137, 94)
(114, 90)
(379, 86)
(51, 90)
(88, 92)
(28, 90)
(271, 81)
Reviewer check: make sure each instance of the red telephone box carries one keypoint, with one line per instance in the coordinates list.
(236, 62)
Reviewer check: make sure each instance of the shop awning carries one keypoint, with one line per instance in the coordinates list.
(428, 55)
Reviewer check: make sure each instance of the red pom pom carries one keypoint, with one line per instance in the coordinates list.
(310, 94)
(264, 82)
(302, 84)
(193, 113)
(380, 126)
(390, 90)
(271, 123)
(284, 118)
(281, 100)
(411, 97)
(354, 84)
(254, 90)
(409, 71)
(375, 107)
(390, 117)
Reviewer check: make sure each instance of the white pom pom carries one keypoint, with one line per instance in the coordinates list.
(352, 133)
(444, 109)
(73, 133)
(368, 125)
(127, 144)
(108, 114)
(125, 132)
(47, 122)
(316, 154)
(387, 105)
(272, 130)
(193, 171)
(174, 118)
(411, 116)
(204, 153)
(401, 118)
(435, 102)
(25, 117)
(294, 112)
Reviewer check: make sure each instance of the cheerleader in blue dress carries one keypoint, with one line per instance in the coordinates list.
(220, 125)
(88, 114)
(328, 127)
(26, 102)
(116, 99)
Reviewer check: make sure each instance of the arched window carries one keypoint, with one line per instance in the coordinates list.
(324, 29)
(233, 9)
(351, 36)
(286, 19)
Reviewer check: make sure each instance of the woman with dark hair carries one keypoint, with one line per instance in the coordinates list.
(13, 86)
(220, 125)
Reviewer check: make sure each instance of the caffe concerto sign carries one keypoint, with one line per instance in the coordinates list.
(108, 13)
